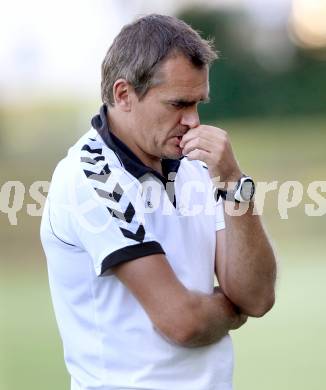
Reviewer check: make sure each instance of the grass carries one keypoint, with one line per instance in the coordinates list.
(284, 350)
(30, 353)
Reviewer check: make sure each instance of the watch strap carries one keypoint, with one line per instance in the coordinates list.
(229, 195)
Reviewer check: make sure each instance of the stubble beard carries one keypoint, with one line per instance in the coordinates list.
(172, 156)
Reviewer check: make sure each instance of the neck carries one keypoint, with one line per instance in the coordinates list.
(121, 130)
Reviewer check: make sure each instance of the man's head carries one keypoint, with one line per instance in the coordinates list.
(153, 77)
(141, 47)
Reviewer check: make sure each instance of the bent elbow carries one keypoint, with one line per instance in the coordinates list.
(185, 326)
(261, 307)
(182, 334)
(186, 337)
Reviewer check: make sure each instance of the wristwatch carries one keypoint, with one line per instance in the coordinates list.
(242, 193)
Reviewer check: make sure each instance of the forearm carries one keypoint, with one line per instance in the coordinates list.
(212, 317)
(184, 317)
(248, 272)
(246, 265)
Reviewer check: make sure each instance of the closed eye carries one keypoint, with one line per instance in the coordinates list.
(178, 104)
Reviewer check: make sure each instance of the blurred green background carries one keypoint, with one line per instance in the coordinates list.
(277, 123)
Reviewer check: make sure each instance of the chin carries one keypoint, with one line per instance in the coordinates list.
(172, 155)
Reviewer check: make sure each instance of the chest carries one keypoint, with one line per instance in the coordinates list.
(181, 216)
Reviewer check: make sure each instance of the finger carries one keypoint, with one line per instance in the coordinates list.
(199, 154)
(191, 134)
(197, 143)
(243, 318)
(210, 133)
(240, 320)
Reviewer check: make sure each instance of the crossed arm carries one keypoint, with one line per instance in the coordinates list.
(245, 266)
(185, 317)
(245, 263)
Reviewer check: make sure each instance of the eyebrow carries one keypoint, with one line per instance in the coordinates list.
(186, 103)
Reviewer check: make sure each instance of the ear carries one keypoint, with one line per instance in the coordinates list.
(122, 94)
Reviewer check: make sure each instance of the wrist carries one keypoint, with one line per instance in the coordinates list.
(240, 191)
(227, 181)
(232, 177)
(229, 310)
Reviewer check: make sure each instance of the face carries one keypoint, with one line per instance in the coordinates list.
(169, 109)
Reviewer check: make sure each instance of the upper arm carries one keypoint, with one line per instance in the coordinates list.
(154, 284)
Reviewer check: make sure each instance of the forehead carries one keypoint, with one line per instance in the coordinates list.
(179, 78)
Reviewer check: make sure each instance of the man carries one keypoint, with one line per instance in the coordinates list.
(133, 233)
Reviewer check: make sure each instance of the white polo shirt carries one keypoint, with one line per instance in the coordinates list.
(105, 207)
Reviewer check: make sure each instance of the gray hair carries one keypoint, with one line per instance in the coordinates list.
(140, 48)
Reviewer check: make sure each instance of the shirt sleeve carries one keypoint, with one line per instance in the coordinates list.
(218, 205)
(108, 219)
(219, 215)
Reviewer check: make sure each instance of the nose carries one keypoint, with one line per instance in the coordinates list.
(190, 117)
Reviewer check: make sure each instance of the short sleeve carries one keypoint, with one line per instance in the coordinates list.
(107, 217)
(219, 215)
(218, 205)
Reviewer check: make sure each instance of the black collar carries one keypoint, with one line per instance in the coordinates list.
(129, 160)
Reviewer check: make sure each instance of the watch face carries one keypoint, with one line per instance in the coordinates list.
(247, 189)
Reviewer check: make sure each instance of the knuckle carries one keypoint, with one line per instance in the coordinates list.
(224, 133)
(224, 138)
(220, 147)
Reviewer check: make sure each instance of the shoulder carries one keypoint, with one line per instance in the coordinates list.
(90, 166)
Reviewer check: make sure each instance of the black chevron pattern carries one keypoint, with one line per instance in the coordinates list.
(126, 216)
(101, 176)
(88, 149)
(138, 236)
(92, 161)
(114, 196)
